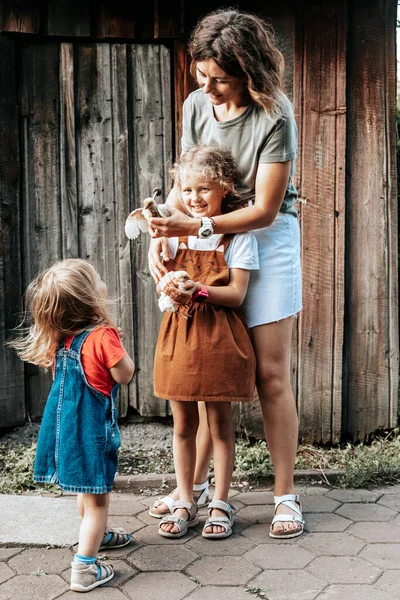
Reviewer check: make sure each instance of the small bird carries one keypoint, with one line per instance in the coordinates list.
(136, 221)
(165, 302)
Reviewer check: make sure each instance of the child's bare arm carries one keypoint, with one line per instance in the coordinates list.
(123, 371)
(231, 295)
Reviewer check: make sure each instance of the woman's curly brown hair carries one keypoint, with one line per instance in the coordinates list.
(216, 165)
(243, 45)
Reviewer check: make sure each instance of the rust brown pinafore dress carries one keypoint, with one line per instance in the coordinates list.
(203, 351)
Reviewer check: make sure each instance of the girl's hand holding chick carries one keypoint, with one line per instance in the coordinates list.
(175, 289)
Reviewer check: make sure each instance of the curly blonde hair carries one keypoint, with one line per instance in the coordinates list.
(216, 165)
(63, 300)
(243, 45)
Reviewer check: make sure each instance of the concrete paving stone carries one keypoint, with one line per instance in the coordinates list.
(50, 561)
(343, 569)
(354, 495)
(130, 524)
(397, 520)
(145, 518)
(321, 522)
(353, 592)
(319, 504)
(220, 592)
(316, 489)
(5, 572)
(331, 544)
(385, 556)
(288, 585)
(125, 505)
(50, 525)
(260, 535)
(33, 587)
(150, 535)
(366, 512)
(100, 593)
(239, 526)
(391, 501)
(117, 553)
(389, 583)
(160, 558)
(268, 556)
(255, 497)
(235, 545)
(223, 570)
(257, 514)
(376, 531)
(388, 489)
(6, 553)
(159, 586)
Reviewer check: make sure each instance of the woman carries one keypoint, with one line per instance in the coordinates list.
(240, 106)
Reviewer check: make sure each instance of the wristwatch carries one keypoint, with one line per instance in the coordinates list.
(206, 229)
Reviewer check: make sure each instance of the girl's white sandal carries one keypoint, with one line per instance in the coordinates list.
(182, 524)
(292, 501)
(225, 522)
(202, 500)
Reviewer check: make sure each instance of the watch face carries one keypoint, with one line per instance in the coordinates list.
(205, 232)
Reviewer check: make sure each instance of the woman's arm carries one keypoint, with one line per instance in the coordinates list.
(270, 188)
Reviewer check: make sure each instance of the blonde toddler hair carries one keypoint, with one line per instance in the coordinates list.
(63, 300)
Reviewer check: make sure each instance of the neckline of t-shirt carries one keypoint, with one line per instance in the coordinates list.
(230, 122)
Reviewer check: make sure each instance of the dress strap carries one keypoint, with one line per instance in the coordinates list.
(183, 240)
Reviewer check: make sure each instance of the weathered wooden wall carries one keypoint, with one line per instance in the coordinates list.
(96, 128)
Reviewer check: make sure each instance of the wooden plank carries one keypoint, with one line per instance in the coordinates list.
(321, 183)
(68, 175)
(151, 135)
(96, 202)
(12, 391)
(114, 19)
(184, 84)
(41, 194)
(22, 16)
(168, 18)
(371, 343)
(122, 208)
(67, 18)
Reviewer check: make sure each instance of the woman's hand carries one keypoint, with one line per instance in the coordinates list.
(176, 225)
(156, 263)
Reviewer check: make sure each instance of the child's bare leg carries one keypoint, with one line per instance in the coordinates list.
(81, 508)
(186, 422)
(94, 522)
(204, 452)
(223, 438)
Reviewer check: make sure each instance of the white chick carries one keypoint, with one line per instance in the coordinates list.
(164, 301)
(137, 220)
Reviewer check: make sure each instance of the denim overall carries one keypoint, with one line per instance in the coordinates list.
(79, 437)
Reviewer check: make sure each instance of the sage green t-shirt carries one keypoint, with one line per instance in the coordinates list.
(252, 138)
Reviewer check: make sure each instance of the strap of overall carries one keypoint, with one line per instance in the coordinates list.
(78, 340)
(226, 240)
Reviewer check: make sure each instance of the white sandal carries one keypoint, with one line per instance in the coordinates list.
(182, 524)
(201, 501)
(291, 501)
(225, 522)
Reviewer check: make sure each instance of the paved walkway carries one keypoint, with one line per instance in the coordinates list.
(351, 551)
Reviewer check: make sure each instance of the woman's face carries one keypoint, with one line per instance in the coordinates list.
(201, 197)
(218, 85)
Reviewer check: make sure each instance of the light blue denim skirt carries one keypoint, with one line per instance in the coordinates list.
(274, 291)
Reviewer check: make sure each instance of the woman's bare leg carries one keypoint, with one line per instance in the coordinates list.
(186, 422)
(204, 452)
(223, 438)
(272, 346)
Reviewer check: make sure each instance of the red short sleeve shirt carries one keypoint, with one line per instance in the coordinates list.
(101, 351)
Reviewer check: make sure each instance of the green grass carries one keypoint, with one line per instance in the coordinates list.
(364, 465)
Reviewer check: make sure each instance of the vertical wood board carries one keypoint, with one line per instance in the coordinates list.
(371, 300)
(12, 391)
